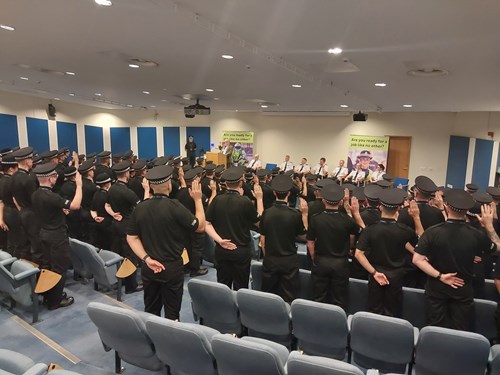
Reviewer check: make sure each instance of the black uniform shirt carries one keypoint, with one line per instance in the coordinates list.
(184, 197)
(429, 216)
(384, 243)
(23, 186)
(268, 196)
(135, 184)
(281, 224)
(315, 207)
(452, 246)
(101, 168)
(162, 224)
(48, 208)
(60, 177)
(232, 216)
(6, 191)
(68, 190)
(122, 199)
(370, 215)
(99, 205)
(331, 230)
(88, 191)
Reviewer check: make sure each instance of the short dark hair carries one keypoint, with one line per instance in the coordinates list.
(281, 195)
(233, 185)
(381, 166)
(323, 159)
(389, 210)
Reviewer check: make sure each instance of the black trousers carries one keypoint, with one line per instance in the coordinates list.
(164, 289)
(74, 223)
(102, 235)
(387, 299)
(31, 227)
(233, 266)
(330, 278)
(195, 249)
(280, 275)
(452, 308)
(122, 247)
(55, 244)
(16, 239)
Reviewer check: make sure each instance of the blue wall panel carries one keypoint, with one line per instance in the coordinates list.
(482, 163)
(146, 139)
(201, 137)
(120, 140)
(38, 134)
(457, 161)
(94, 139)
(171, 141)
(67, 136)
(8, 130)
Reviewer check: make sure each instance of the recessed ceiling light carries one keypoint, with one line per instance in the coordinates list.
(135, 66)
(216, 98)
(209, 90)
(146, 92)
(72, 94)
(296, 86)
(380, 84)
(57, 99)
(335, 51)
(264, 106)
(70, 73)
(24, 78)
(106, 3)
(7, 27)
(407, 105)
(344, 106)
(152, 106)
(97, 94)
(227, 57)
(129, 105)
(164, 100)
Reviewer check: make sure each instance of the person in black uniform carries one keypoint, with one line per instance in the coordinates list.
(103, 166)
(329, 239)
(190, 148)
(10, 222)
(135, 183)
(102, 230)
(88, 190)
(310, 182)
(209, 176)
(279, 226)
(385, 245)
(49, 206)
(62, 156)
(121, 203)
(195, 241)
(67, 191)
(156, 233)
(267, 192)
(229, 219)
(23, 186)
(371, 214)
(429, 216)
(53, 157)
(446, 253)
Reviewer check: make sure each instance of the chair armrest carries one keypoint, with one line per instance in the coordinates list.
(26, 274)
(6, 262)
(38, 369)
(494, 352)
(110, 258)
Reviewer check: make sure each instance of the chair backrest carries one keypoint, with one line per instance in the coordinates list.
(299, 364)
(306, 290)
(446, 351)
(270, 166)
(494, 363)
(256, 272)
(320, 328)
(490, 290)
(215, 304)
(358, 295)
(484, 318)
(125, 331)
(381, 342)
(414, 307)
(16, 363)
(245, 357)
(184, 347)
(93, 262)
(23, 293)
(265, 315)
(4, 255)
(75, 253)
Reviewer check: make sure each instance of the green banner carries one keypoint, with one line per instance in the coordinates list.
(366, 142)
(242, 137)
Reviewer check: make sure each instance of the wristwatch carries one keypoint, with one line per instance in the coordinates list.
(439, 276)
(145, 257)
(374, 272)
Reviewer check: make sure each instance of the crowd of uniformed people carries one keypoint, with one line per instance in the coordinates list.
(425, 236)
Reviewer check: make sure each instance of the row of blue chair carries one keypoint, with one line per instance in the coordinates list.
(14, 363)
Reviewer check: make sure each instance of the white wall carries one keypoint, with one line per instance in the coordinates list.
(311, 136)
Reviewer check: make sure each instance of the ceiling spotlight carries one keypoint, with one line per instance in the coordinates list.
(297, 86)
(97, 94)
(135, 66)
(24, 78)
(7, 27)
(71, 94)
(129, 105)
(380, 84)
(335, 51)
(344, 106)
(209, 90)
(164, 100)
(407, 105)
(216, 98)
(57, 99)
(152, 106)
(106, 3)
(146, 92)
(264, 106)
(70, 73)
(227, 57)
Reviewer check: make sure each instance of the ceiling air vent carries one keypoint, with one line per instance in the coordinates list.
(433, 72)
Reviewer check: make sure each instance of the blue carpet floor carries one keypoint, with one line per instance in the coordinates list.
(72, 329)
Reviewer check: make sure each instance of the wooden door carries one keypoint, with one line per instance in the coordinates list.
(398, 158)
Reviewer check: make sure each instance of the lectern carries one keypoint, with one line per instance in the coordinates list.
(217, 158)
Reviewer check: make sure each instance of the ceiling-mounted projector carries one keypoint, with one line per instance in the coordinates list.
(196, 109)
(360, 116)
